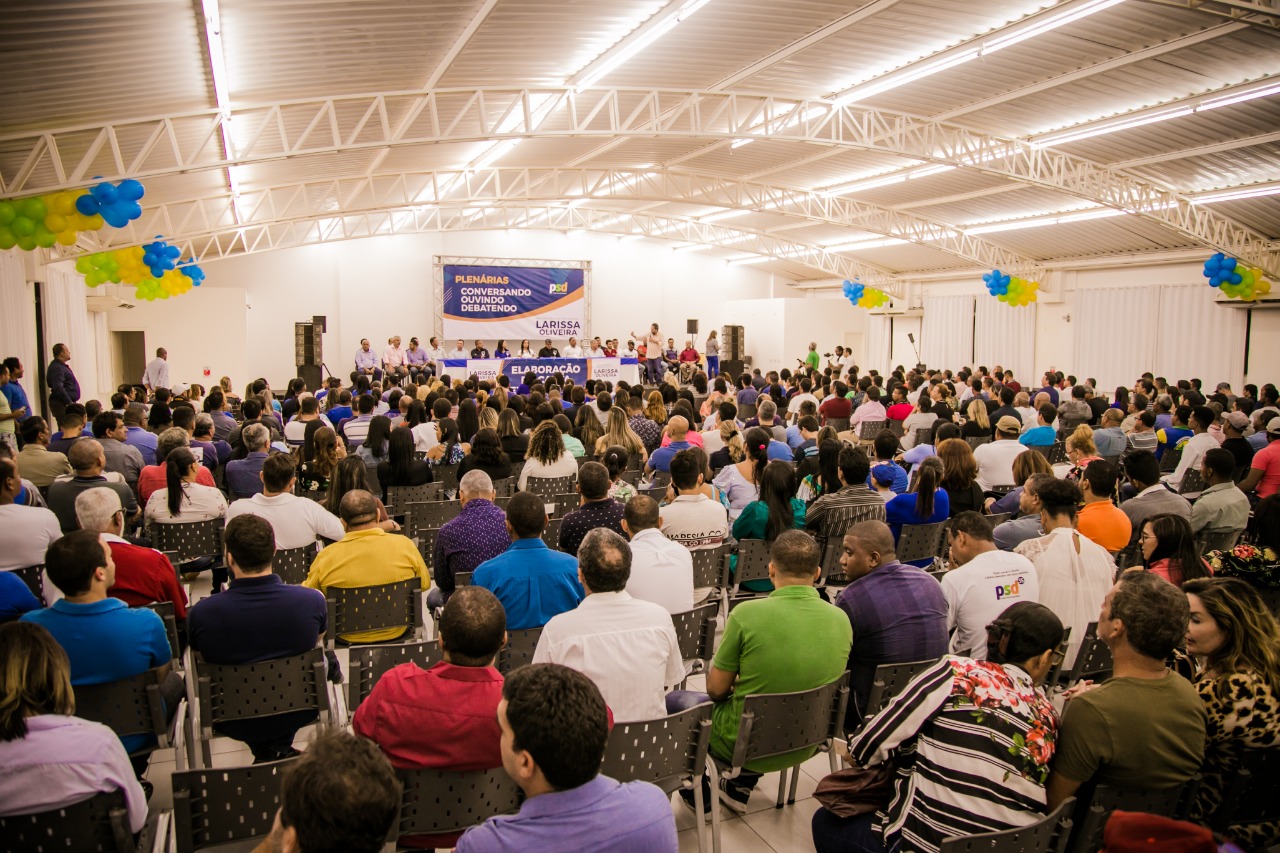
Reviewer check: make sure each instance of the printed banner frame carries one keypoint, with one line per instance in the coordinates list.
(489, 329)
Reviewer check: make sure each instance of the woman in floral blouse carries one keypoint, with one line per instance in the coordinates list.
(986, 722)
(1237, 640)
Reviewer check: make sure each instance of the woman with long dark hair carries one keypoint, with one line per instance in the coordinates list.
(928, 504)
(1169, 549)
(514, 442)
(183, 499)
(400, 467)
(827, 478)
(500, 350)
(588, 429)
(1121, 400)
(326, 450)
(961, 477)
(351, 474)
(774, 512)
(616, 458)
(741, 481)
(374, 448)
(486, 455)
(468, 420)
(1236, 638)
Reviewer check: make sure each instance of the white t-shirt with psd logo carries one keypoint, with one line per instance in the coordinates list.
(979, 591)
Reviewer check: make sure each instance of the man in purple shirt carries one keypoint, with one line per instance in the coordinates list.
(554, 726)
(415, 357)
(898, 611)
(478, 533)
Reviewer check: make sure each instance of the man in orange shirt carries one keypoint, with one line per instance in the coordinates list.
(1099, 518)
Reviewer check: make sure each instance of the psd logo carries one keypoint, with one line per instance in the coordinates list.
(562, 287)
(1013, 590)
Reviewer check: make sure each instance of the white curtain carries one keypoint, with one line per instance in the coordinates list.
(946, 335)
(877, 339)
(18, 321)
(67, 321)
(1004, 335)
(1115, 333)
(1199, 338)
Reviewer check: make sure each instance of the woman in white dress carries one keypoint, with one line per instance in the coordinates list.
(184, 499)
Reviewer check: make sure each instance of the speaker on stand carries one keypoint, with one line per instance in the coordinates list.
(308, 351)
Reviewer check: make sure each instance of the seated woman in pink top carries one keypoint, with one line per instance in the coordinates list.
(1169, 550)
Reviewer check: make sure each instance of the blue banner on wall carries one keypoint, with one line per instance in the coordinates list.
(514, 303)
(577, 369)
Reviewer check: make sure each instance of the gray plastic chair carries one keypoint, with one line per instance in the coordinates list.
(436, 802)
(33, 577)
(369, 663)
(920, 541)
(551, 534)
(669, 752)
(778, 723)
(294, 564)
(164, 609)
(399, 496)
(1094, 658)
(924, 435)
(132, 706)
(447, 477)
(888, 682)
(562, 505)
(1091, 816)
(1050, 834)
(868, 430)
(433, 513)
(752, 565)
(711, 567)
(519, 649)
(976, 441)
(550, 486)
(696, 634)
(190, 539)
(1192, 483)
(371, 608)
(505, 487)
(226, 692)
(99, 824)
(1216, 540)
(220, 806)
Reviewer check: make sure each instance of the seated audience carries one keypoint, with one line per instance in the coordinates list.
(960, 477)
(445, 717)
(1043, 434)
(928, 504)
(26, 532)
(598, 510)
(366, 556)
(50, 758)
(533, 582)
(89, 462)
(740, 482)
(931, 721)
(1195, 447)
(774, 512)
(1234, 425)
(1080, 450)
(320, 458)
(242, 475)
(1172, 427)
(1263, 479)
(104, 639)
(1025, 464)
(476, 534)
(16, 597)
(400, 467)
(1221, 507)
(790, 641)
(897, 612)
(1110, 439)
(258, 618)
(1169, 550)
(982, 583)
(297, 522)
(486, 455)
(678, 432)
(1144, 727)
(661, 570)
(183, 499)
(40, 464)
(692, 518)
(154, 476)
(922, 418)
(546, 457)
(825, 478)
(1074, 571)
(833, 513)
(109, 430)
(995, 458)
(1100, 519)
(142, 575)
(71, 429)
(136, 435)
(554, 726)
(1234, 635)
(340, 795)
(626, 645)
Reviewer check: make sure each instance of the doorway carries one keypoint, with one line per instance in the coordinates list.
(128, 358)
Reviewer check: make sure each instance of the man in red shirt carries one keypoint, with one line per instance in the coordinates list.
(1263, 478)
(445, 717)
(143, 575)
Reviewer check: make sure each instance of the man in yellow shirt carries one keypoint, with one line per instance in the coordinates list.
(366, 556)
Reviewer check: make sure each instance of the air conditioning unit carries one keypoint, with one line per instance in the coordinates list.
(102, 304)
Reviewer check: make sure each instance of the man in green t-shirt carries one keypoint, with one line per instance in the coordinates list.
(790, 641)
(811, 360)
(1145, 726)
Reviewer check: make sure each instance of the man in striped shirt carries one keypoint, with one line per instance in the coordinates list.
(832, 514)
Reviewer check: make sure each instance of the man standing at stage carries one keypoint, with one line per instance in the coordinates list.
(653, 353)
(63, 387)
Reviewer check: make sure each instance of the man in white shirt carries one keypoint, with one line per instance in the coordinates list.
(981, 584)
(661, 570)
(627, 646)
(26, 532)
(572, 350)
(460, 351)
(435, 356)
(692, 519)
(995, 458)
(393, 358)
(595, 350)
(1193, 451)
(297, 522)
(157, 373)
(308, 410)
(806, 389)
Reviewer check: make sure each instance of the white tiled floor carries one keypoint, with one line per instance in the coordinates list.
(764, 828)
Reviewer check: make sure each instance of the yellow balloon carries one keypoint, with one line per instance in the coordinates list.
(67, 238)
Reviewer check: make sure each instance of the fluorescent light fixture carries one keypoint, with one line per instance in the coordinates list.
(222, 95)
(489, 157)
(1240, 97)
(738, 143)
(912, 72)
(723, 214)
(886, 180)
(691, 247)
(857, 245)
(1112, 127)
(1038, 221)
(751, 259)
(628, 48)
(575, 232)
(1237, 194)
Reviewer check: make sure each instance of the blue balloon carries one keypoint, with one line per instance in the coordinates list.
(1236, 278)
(1227, 265)
(105, 192)
(130, 190)
(1215, 280)
(87, 205)
(114, 217)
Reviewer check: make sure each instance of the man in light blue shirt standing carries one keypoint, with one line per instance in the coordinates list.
(554, 726)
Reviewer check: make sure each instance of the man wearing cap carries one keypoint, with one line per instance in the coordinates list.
(995, 458)
(1233, 426)
(1263, 478)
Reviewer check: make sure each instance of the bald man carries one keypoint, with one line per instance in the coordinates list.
(678, 430)
(88, 462)
(366, 556)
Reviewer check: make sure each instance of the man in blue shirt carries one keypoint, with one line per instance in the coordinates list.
(13, 392)
(258, 618)
(554, 727)
(1043, 434)
(243, 475)
(678, 429)
(1177, 430)
(1049, 388)
(886, 447)
(533, 582)
(104, 639)
(808, 443)
(136, 436)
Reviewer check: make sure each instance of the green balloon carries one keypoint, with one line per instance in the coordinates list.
(34, 208)
(44, 237)
(23, 227)
(7, 238)
(7, 212)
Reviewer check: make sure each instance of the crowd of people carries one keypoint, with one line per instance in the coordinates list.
(1067, 509)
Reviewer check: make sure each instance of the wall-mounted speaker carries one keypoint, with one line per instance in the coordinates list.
(691, 326)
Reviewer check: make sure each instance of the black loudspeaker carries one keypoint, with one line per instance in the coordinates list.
(732, 345)
(320, 323)
(732, 369)
(691, 326)
(310, 373)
